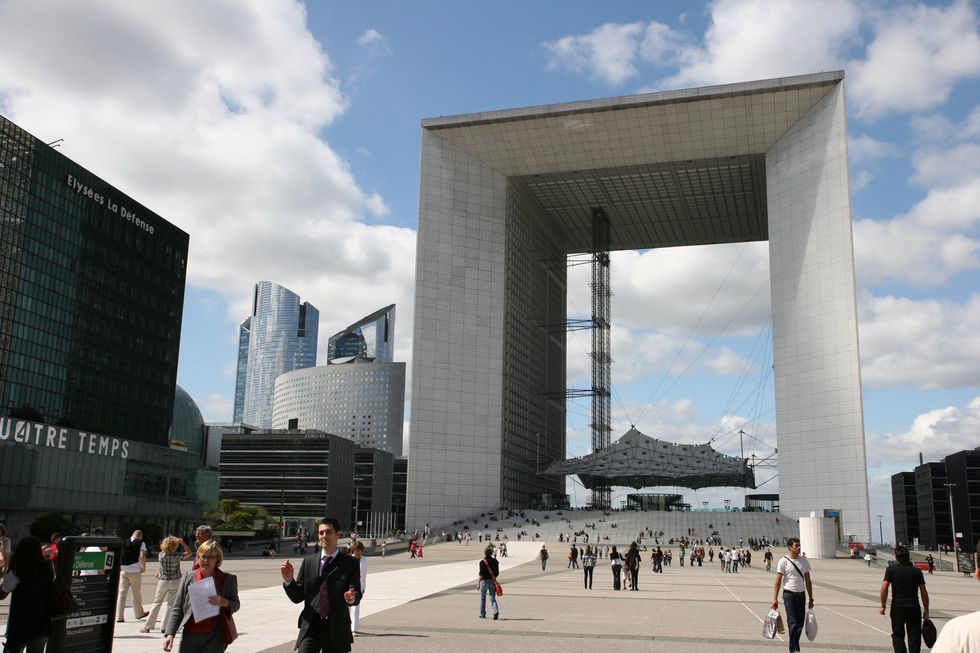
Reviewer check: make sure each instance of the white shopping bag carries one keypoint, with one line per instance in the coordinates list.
(811, 625)
(769, 624)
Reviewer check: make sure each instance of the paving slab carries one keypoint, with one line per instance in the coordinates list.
(432, 604)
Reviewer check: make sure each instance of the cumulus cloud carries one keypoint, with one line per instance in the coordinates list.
(926, 343)
(606, 53)
(218, 131)
(917, 56)
(215, 408)
(759, 39)
(727, 363)
(936, 433)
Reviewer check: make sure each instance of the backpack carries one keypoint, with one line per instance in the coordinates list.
(131, 555)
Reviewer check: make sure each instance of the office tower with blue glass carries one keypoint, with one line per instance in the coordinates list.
(359, 394)
(244, 331)
(371, 337)
(282, 335)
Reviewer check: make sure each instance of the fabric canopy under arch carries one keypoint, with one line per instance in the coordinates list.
(637, 460)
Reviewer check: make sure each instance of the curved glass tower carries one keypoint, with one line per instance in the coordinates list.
(282, 338)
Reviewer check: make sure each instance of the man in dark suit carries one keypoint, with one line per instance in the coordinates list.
(329, 580)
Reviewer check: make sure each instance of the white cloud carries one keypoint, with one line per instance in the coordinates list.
(864, 149)
(923, 343)
(370, 36)
(375, 43)
(759, 39)
(215, 408)
(218, 132)
(935, 434)
(705, 290)
(727, 363)
(918, 54)
(904, 249)
(606, 53)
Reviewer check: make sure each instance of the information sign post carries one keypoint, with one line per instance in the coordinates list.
(91, 565)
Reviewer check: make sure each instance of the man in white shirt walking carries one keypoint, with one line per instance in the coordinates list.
(793, 576)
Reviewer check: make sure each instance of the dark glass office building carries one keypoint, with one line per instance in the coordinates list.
(91, 296)
(299, 476)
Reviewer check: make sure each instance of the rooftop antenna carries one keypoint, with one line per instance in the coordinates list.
(56, 143)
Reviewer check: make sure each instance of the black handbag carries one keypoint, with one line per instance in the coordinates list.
(928, 633)
(60, 601)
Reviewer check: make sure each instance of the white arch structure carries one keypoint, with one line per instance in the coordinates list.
(506, 195)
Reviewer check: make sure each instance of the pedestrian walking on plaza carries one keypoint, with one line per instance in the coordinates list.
(588, 565)
(616, 561)
(209, 635)
(202, 534)
(357, 550)
(133, 567)
(793, 576)
(962, 634)
(907, 584)
(328, 582)
(544, 557)
(28, 581)
(168, 579)
(633, 564)
(931, 562)
(768, 558)
(573, 557)
(487, 583)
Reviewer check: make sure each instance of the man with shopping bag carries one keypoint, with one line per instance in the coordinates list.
(793, 576)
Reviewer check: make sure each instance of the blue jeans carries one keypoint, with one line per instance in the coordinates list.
(487, 586)
(795, 604)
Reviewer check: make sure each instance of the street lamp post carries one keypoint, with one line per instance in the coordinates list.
(952, 518)
(881, 537)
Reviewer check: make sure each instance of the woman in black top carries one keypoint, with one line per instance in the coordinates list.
(633, 564)
(489, 570)
(616, 561)
(29, 582)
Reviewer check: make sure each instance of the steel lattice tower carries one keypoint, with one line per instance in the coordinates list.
(601, 356)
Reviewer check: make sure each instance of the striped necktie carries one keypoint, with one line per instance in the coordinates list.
(324, 608)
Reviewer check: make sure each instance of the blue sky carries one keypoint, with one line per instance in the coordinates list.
(284, 138)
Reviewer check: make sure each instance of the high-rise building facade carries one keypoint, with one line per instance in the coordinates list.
(360, 400)
(905, 508)
(244, 331)
(372, 337)
(282, 337)
(91, 298)
(923, 498)
(931, 499)
(299, 476)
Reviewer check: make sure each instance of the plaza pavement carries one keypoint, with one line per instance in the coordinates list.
(431, 604)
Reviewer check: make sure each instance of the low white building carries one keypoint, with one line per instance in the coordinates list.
(357, 399)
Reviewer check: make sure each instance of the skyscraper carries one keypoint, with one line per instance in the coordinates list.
(371, 337)
(91, 297)
(244, 331)
(281, 337)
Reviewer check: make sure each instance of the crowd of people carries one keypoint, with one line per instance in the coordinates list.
(331, 581)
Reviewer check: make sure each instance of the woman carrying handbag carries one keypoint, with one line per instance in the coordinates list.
(489, 570)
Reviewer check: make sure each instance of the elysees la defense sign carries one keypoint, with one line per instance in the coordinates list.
(104, 200)
(56, 437)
